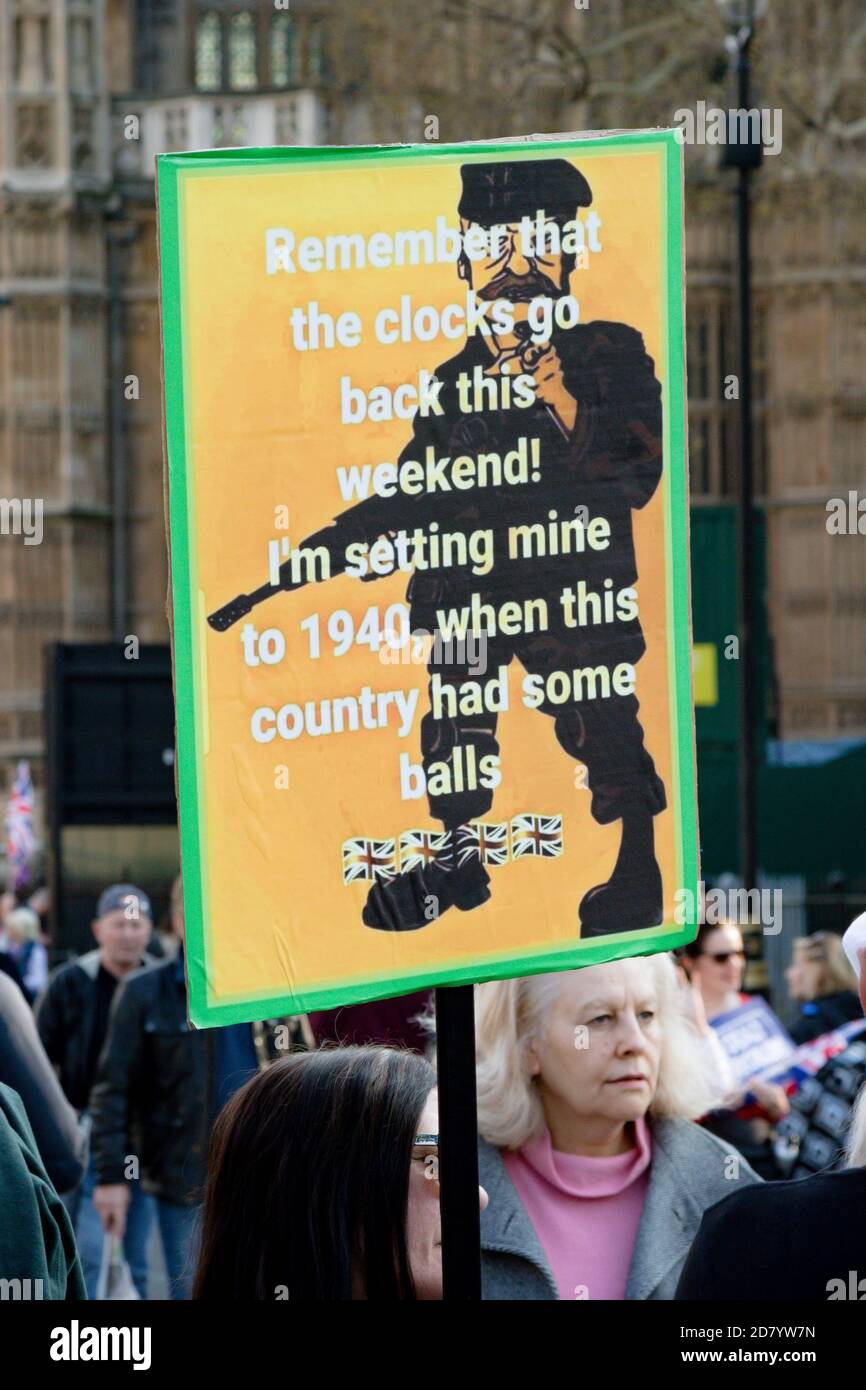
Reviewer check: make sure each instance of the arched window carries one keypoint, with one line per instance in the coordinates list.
(208, 53)
(242, 52)
(284, 51)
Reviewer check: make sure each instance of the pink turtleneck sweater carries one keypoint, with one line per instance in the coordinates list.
(585, 1211)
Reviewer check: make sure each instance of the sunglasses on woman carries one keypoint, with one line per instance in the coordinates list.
(722, 957)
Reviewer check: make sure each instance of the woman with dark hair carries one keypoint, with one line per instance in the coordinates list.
(323, 1182)
(715, 963)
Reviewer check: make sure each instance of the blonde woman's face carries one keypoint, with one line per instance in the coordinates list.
(600, 1054)
(802, 976)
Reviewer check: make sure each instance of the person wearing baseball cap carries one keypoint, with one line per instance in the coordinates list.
(159, 1087)
(72, 1016)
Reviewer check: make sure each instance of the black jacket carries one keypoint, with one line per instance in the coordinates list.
(153, 1093)
(9, 966)
(64, 1017)
(781, 1240)
(823, 1015)
(812, 1136)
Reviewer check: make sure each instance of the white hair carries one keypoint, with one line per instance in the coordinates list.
(511, 1014)
(25, 922)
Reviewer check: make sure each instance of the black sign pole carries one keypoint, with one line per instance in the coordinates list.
(458, 1144)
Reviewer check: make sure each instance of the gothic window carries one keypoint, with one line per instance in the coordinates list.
(208, 53)
(284, 51)
(229, 125)
(83, 151)
(316, 60)
(176, 128)
(713, 418)
(242, 52)
(286, 124)
(80, 56)
(34, 135)
(31, 52)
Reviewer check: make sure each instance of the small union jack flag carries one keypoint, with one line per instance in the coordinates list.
(538, 835)
(420, 847)
(369, 859)
(20, 839)
(489, 842)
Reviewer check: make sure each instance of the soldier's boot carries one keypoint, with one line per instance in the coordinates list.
(631, 900)
(419, 897)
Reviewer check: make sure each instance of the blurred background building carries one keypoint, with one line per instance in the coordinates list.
(92, 90)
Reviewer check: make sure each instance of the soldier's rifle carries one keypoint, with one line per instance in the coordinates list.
(364, 522)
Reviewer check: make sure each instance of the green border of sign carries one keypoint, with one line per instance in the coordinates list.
(190, 676)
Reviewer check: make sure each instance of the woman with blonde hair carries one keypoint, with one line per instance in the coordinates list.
(589, 1083)
(22, 932)
(823, 983)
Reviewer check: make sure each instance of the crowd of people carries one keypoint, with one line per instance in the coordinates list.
(619, 1157)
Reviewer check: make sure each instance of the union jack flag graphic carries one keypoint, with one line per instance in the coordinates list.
(489, 842)
(420, 847)
(369, 859)
(20, 839)
(538, 835)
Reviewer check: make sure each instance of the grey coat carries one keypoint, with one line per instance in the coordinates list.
(686, 1177)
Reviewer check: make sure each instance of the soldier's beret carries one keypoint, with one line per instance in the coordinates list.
(500, 193)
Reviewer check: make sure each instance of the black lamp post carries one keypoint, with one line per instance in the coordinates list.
(745, 156)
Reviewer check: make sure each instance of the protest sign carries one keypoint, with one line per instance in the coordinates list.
(428, 514)
(753, 1039)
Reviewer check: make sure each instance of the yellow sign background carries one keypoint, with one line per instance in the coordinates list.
(264, 432)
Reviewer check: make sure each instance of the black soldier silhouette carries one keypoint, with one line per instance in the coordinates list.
(598, 422)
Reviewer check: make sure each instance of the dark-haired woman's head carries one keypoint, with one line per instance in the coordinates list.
(316, 1186)
(716, 961)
